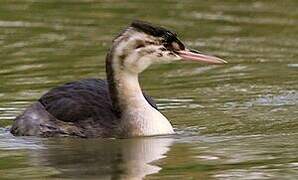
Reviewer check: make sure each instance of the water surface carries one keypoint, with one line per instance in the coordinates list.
(238, 121)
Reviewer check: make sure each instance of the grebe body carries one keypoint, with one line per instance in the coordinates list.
(116, 107)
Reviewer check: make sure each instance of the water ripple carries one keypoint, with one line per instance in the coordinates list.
(10, 142)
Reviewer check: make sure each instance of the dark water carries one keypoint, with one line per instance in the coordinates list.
(238, 121)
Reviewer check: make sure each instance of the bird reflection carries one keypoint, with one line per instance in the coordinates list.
(103, 158)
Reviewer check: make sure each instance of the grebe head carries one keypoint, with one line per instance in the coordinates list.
(143, 44)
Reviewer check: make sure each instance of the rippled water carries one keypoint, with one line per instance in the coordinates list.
(238, 121)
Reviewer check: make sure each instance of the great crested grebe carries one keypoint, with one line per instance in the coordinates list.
(116, 107)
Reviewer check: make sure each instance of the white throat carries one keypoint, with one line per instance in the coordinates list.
(138, 117)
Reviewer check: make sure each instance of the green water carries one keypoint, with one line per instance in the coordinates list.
(237, 121)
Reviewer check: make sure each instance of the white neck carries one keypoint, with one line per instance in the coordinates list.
(138, 117)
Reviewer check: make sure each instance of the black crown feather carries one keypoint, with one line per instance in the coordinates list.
(152, 29)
